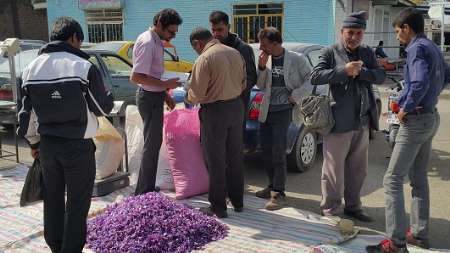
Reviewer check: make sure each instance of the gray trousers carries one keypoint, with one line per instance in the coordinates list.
(410, 156)
(345, 159)
(151, 108)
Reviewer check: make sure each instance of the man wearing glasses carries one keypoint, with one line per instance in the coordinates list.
(148, 68)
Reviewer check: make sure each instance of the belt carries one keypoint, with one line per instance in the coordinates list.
(419, 111)
(221, 101)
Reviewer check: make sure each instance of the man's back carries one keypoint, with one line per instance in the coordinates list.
(224, 68)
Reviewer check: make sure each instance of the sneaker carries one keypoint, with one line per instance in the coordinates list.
(276, 202)
(264, 193)
(386, 246)
(422, 243)
(208, 211)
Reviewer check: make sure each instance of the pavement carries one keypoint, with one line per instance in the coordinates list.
(303, 189)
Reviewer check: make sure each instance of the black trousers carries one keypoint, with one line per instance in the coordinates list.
(221, 130)
(151, 109)
(67, 163)
(245, 97)
(273, 134)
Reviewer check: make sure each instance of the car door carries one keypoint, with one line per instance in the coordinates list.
(94, 60)
(119, 71)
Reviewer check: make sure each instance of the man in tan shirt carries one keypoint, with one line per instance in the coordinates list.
(217, 81)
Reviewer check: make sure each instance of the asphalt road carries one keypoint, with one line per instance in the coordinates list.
(303, 189)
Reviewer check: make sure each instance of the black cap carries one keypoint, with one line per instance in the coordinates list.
(356, 20)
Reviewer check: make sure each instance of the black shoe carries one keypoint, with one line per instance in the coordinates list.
(359, 215)
(208, 211)
(157, 189)
(239, 209)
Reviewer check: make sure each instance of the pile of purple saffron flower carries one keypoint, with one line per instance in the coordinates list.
(152, 223)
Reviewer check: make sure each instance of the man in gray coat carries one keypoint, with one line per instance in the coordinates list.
(281, 74)
(350, 69)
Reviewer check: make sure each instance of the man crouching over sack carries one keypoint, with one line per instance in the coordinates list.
(350, 69)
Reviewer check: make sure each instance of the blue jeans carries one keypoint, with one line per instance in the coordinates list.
(410, 157)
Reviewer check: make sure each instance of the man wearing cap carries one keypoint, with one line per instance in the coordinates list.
(350, 69)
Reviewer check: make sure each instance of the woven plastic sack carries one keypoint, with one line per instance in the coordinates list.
(110, 149)
(182, 135)
(135, 144)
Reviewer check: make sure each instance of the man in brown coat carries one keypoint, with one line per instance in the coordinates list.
(217, 81)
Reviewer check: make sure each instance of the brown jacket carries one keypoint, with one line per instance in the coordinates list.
(218, 74)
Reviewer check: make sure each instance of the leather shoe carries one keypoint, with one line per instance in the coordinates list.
(208, 211)
(239, 209)
(359, 215)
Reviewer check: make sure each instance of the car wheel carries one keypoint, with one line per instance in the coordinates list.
(304, 153)
(393, 131)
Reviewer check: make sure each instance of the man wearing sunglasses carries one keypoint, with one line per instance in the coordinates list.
(148, 68)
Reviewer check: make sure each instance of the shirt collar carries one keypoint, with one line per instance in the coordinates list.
(210, 44)
(156, 37)
(413, 41)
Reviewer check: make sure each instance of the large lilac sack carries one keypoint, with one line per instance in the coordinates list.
(182, 136)
(152, 223)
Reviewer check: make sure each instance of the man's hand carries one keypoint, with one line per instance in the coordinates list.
(35, 153)
(171, 83)
(292, 100)
(170, 102)
(263, 58)
(401, 115)
(353, 68)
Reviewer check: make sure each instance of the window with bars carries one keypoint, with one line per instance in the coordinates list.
(104, 25)
(250, 18)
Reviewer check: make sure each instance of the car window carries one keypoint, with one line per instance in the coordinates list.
(93, 59)
(116, 66)
(314, 57)
(168, 56)
(22, 59)
(130, 52)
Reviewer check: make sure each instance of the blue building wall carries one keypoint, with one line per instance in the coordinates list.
(303, 21)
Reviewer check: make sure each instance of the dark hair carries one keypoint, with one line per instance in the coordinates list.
(200, 33)
(270, 33)
(380, 43)
(217, 17)
(167, 17)
(412, 18)
(64, 28)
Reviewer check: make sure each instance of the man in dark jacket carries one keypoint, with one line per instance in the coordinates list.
(350, 69)
(63, 94)
(220, 28)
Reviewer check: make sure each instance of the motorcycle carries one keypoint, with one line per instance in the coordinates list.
(393, 122)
